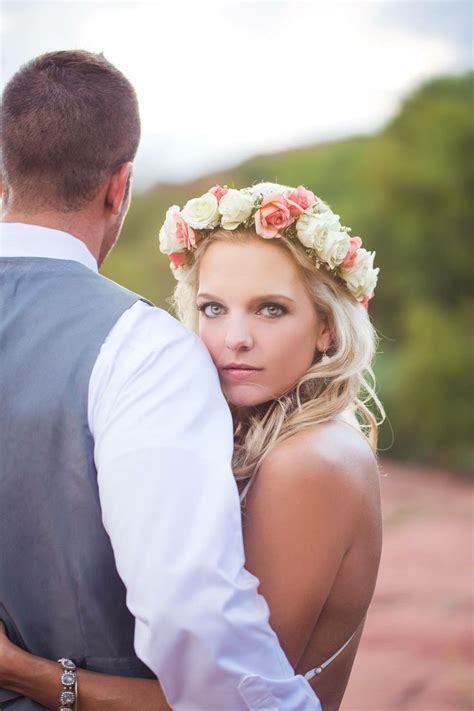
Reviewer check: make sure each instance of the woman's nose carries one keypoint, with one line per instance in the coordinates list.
(238, 338)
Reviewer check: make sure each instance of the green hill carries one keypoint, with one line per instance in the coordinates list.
(407, 192)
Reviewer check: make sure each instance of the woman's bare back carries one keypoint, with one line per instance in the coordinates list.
(341, 597)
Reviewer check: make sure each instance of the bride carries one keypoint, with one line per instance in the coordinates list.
(278, 291)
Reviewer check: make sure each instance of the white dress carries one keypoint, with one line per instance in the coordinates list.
(316, 670)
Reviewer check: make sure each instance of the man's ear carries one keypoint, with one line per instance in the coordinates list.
(117, 191)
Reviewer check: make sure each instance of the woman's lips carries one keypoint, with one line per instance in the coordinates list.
(236, 373)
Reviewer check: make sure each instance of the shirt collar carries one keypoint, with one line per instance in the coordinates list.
(21, 240)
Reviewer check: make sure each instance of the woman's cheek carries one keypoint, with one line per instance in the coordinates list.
(210, 336)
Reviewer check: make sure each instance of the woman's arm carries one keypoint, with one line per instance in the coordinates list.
(39, 679)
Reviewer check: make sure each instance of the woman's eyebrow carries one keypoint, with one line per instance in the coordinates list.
(253, 300)
(211, 297)
(269, 297)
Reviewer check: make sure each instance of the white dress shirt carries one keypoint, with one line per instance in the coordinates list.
(163, 447)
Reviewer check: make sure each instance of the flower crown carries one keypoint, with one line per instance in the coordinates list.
(272, 210)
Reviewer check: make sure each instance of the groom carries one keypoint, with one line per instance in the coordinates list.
(120, 532)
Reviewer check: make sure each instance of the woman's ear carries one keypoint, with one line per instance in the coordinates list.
(325, 337)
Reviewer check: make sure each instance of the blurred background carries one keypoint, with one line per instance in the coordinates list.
(370, 105)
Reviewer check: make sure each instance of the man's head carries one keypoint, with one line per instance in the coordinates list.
(70, 130)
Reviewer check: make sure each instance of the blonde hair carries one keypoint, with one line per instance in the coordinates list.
(342, 385)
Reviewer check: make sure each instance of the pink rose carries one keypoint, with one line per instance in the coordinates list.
(272, 216)
(366, 299)
(184, 233)
(349, 259)
(178, 258)
(301, 200)
(219, 191)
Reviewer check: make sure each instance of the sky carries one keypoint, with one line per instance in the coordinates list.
(218, 82)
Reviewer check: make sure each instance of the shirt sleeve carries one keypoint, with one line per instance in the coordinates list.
(163, 446)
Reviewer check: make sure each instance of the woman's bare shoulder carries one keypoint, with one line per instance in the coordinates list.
(331, 453)
(323, 478)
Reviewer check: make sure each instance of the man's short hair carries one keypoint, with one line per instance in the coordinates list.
(68, 120)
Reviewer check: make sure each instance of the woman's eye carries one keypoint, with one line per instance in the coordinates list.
(211, 309)
(272, 310)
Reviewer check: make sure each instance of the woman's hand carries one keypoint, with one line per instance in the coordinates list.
(39, 679)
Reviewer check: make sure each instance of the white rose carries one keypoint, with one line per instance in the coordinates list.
(334, 248)
(178, 272)
(322, 206)
(202, 213)
(361, 278)
(266, 189)
(235, 207)
(313, 229)
(168, 240)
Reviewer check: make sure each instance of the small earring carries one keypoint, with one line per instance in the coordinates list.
(324, 358)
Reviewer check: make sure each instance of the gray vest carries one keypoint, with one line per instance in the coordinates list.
(60, 593)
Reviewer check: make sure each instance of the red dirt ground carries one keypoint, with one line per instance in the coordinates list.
(417, 649)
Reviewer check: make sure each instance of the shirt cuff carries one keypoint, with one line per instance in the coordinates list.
(260, 694)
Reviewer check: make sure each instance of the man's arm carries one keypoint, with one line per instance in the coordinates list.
(163, 445)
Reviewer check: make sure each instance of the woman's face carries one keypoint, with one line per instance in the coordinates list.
(256, 319)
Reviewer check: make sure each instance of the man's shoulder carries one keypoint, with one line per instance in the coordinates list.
(109, 286)
(149, 351)
(148, 328)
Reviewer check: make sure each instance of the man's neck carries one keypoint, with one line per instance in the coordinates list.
(77, 224)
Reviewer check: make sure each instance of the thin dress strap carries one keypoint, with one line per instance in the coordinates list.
(317, 670)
